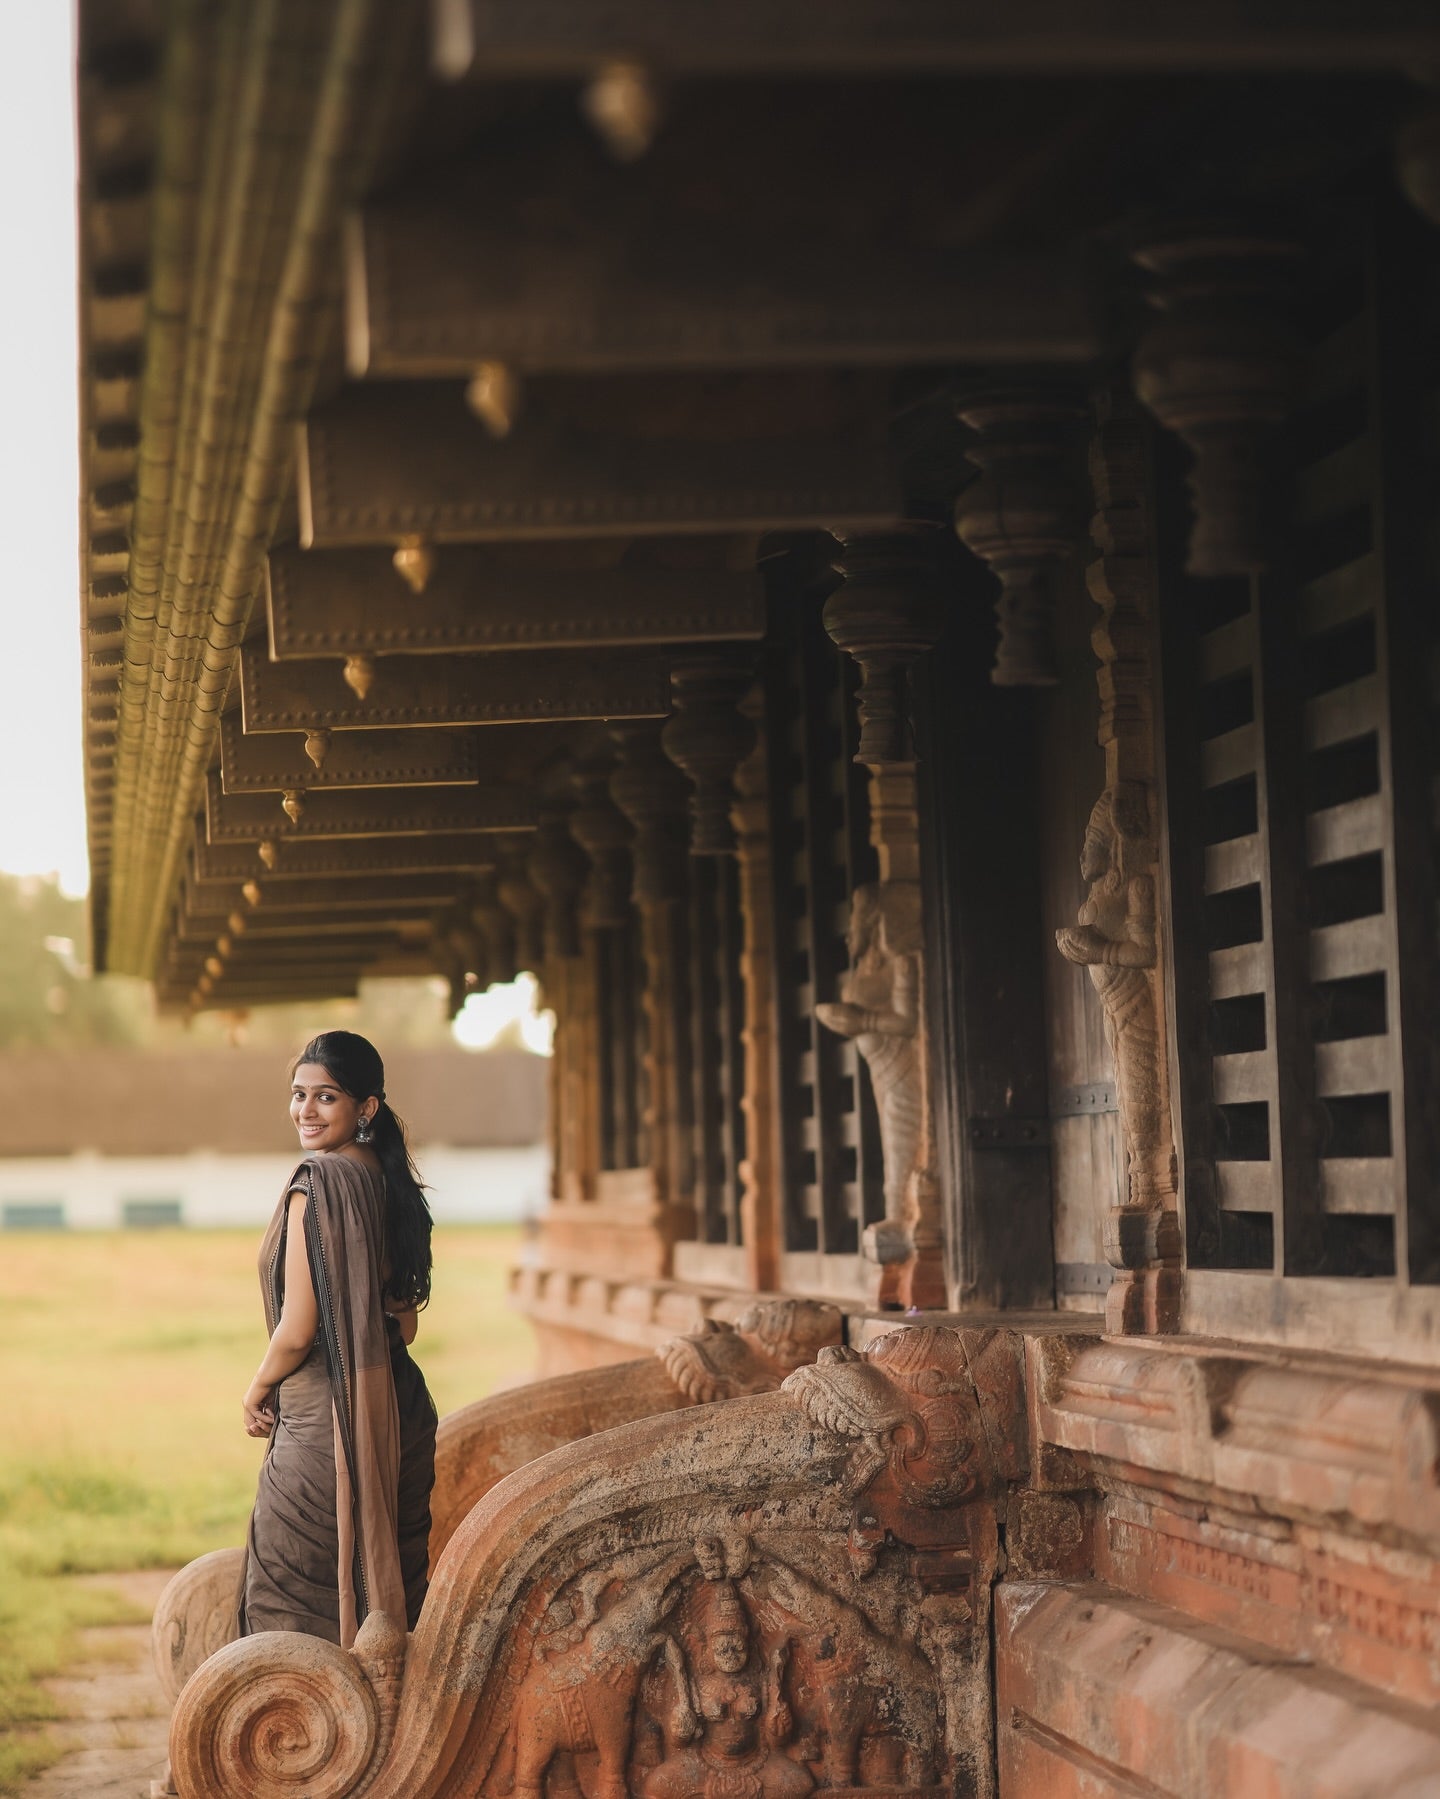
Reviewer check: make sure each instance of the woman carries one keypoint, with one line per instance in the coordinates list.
(342, 1516)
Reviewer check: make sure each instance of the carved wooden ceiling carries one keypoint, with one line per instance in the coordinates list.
(444, 368)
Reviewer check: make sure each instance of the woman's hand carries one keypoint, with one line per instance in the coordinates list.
(259, 1414)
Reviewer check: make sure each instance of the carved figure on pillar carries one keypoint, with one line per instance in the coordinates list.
(886, 614)
(1115, 939)
(882, 1008)
(1116, 936)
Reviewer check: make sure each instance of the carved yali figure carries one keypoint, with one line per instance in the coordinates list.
(767, 1342)
(911, 1402)
(1115, 939)
(880, 1007)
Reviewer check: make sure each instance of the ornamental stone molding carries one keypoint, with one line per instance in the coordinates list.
(480, 1443)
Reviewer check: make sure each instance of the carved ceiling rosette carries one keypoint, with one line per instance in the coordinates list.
(1024, 516)
(1220, 367)
(782, 1594)
(709, 737)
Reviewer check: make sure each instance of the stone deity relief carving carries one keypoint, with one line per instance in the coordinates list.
(785, 1594)
(882, 1008)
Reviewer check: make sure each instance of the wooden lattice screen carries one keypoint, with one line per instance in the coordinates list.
(1300, 835)
(717, 1062)
(821, 853)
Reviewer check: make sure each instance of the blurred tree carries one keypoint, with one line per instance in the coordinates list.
(51, 999)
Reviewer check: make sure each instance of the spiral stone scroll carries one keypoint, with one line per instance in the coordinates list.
(195, 1616)
(283, 1716)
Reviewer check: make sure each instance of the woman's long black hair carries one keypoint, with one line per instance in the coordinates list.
(354, 1064)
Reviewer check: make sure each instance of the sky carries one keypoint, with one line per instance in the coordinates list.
(42, 808)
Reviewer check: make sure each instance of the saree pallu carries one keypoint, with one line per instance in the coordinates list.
(342, 1515)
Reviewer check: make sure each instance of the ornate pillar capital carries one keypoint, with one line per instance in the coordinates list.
(1024, 516)
(1220, 367)
(708, 738)
(557, 866)
(886, 613)
(650, 790)
(604, 833)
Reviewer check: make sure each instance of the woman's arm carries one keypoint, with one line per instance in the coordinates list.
(295, 1332)
(407, 1318)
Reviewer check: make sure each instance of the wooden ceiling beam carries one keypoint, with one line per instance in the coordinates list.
(496, 40)
(523, 686)
(263, 929)
(218, 900)
(600, 456)
(344, 858)
(653, 264)
(234, 996)
(321, 762)
(500, 597)
(369, 812)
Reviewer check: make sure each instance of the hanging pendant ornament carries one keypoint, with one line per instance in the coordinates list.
(359, 672)
(414, 562)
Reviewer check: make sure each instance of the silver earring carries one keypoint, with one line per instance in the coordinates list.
(363, 1132)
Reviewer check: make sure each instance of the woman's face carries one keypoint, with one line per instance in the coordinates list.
(324, 1116)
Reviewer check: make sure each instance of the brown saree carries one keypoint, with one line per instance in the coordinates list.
(342, 1514)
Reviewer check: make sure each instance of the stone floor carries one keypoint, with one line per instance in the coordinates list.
(116, 1716)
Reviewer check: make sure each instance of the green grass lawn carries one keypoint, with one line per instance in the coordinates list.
(123, 1358)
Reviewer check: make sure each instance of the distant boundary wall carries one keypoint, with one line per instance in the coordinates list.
(204, 1189)
(115, 1102)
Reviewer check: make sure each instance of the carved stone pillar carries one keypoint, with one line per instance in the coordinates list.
(521, 899)
(497, 930)
(651, 793)
(760, 1173)
(1025, 516)
(1220, 367)
(882, 1000)
(604, 833)
(708, 738)
(557, 866)
(1117, 936)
